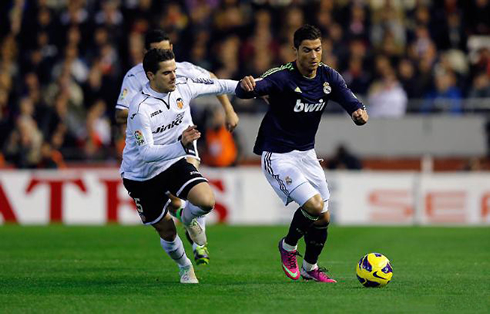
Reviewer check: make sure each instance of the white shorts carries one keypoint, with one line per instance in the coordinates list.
(296, 176)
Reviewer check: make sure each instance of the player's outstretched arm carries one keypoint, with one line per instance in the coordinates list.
(231, 118)
(245, 88)
(360, 117)
(121, 116)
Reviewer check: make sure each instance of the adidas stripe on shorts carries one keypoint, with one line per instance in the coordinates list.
(295, 176)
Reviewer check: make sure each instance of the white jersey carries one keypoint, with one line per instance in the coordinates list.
(156, 122)
(135, 79)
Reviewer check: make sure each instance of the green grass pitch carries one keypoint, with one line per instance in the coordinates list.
(60, 269)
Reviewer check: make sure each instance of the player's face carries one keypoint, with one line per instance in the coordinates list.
(308, 56)
(163, 81)
(164, 45)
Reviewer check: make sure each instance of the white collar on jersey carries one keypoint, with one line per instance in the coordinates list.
(150, 91)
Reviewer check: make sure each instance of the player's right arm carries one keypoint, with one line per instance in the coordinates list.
(251, 88)
(149, 151)
(129, 89)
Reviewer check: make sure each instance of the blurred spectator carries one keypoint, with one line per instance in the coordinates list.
(356, 78)
(344, 159)
(222, 148)
(480, 87)
(445, 97)
(388, 24)
(228, 58)
(98, 137)
(478, 17)
(50, 158)
(23, 147)
(387, 98)
(408, 78)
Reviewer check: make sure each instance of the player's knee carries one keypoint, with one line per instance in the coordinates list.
(166, 233)
(323, 220)
(314, 206)
(207, 202)
(175, 203)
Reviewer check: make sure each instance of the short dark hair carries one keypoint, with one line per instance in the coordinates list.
(153, 58)
(306, 32)
(155, 36)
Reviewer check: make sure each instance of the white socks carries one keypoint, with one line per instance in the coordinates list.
(175, 249)
(288, 247)
(190, 212)
(309, 267)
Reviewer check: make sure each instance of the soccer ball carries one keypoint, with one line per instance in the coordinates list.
(374, 270)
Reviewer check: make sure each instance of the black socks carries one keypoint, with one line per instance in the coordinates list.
(315, 239)
(302, 221)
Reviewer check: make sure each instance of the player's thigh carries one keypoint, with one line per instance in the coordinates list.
(314, 173)
(184, 177)
(150, 198)
(201, 195)
(284, 176)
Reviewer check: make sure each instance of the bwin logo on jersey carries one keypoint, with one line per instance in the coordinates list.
(299, 107)
(176, 122)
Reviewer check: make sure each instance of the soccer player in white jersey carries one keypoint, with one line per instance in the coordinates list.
(159, 135)
(133, 83)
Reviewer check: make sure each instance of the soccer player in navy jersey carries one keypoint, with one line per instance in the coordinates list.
(297, 95)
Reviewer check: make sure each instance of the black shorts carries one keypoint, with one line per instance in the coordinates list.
(193, 153)
(151, 196)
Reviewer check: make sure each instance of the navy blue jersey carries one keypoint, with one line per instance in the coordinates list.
(296, 106)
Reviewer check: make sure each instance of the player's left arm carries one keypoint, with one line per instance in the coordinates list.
(231, 118)
(193, 71)
(346, 98)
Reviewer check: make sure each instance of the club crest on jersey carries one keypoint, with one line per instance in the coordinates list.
(327, 89)
(140, 140)
(180, 103)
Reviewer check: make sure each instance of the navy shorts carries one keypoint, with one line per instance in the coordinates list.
(151, 196)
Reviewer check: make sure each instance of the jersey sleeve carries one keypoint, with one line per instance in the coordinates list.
(200, 86)
(130, 88)
(343, 95)
(192, 71)
(149, 152)
(263, 86)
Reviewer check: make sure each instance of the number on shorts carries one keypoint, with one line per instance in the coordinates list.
(139, 207)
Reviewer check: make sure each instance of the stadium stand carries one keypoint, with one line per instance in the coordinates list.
(62, 62)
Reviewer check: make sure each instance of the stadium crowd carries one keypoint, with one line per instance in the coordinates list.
(62, 61)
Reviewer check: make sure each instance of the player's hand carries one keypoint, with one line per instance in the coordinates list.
(360, 117)
(190, 135)
(231, 120)
(247, 83)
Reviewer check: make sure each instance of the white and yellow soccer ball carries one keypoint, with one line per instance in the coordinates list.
(374, 270)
